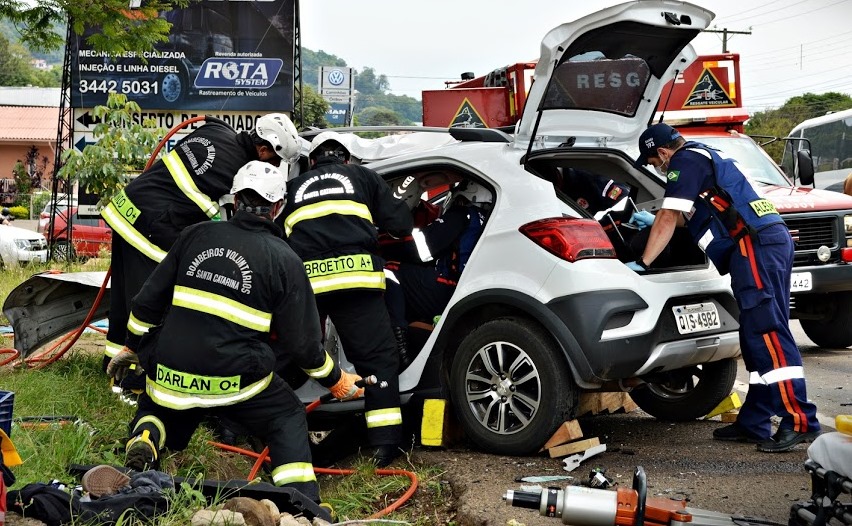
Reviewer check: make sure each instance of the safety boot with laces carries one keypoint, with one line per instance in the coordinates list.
(142, 454)
(401, 336)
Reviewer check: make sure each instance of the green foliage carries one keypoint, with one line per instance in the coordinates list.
(20, 212)
(123, 145)
(779, 122)
(113, 27)
(376, 116)
(315, 108)
(15, 69)
(23, 184)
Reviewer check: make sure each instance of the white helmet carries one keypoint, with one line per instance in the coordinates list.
(326, 136)
(475, 193)
(279, 131)
(263, 178)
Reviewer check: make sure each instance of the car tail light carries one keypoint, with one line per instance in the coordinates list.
(569, 238)
(846, 254)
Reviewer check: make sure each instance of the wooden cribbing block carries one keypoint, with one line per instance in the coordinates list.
(729, 417)
(568, 431)
(595, 403)
(573, 447)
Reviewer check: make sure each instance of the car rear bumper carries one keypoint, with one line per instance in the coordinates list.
(826, 278)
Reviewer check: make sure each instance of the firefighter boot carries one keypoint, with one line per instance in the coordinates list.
(142, 454)
(405, 359)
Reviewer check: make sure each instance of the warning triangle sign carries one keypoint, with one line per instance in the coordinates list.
(708, 92)
(467, 117)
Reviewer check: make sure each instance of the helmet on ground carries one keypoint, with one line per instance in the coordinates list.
(329, 143)
(475, 193)
(263, 178)
(279, 131)
(6, 212)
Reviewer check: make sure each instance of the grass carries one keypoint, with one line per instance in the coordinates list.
(76, 387)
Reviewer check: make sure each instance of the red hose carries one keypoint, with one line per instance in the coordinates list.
(45, 357)
(264, 457)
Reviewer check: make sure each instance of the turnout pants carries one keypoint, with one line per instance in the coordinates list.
(760, 278)
(415, 293)
(362, 323)
(130, 268)
(275, 415)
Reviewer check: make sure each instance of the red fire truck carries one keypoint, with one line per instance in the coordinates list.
(705, 104)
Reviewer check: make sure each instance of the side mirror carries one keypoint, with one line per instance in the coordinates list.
(805, 167)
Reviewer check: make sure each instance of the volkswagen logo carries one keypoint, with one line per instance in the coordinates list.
(336, 77)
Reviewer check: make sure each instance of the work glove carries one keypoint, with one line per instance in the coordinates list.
(636, 267)
(122, 364)
(345, 388)
(642, 219)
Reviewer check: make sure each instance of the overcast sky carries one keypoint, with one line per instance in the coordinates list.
(795, 46)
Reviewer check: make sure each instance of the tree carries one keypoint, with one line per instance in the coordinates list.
(15, 69)
(375, 116)
(123, 146)
(368, 83)
(119, 29)
(315, 109)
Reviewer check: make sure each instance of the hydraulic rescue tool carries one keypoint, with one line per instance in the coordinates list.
(582, 506)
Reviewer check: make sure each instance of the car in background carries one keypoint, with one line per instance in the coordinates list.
(19, 247)
(44, 215)
(86, 239)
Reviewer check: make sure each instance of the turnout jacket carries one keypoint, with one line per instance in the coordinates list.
(330, 221)
(209, 308)
(181, 189)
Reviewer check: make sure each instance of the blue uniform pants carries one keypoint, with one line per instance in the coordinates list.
(760, 277)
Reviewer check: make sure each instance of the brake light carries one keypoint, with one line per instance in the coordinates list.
(846, 254)
(569, 238)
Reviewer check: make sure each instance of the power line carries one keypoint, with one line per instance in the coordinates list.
(774, 9)
(800, 14)
(725, 32)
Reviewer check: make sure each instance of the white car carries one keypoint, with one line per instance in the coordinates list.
(546, 307)
(19, 246)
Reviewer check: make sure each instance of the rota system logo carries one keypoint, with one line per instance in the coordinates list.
(238, 72)
(336, 77)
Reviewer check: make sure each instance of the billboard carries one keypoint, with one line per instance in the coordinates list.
(221, 55)
(337, 86)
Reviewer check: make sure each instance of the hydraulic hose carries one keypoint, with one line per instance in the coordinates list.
(50, 355)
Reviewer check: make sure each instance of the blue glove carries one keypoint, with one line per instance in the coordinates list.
(636, 267)
(642, 219)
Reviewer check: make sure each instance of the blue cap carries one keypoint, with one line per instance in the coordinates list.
(652, 138)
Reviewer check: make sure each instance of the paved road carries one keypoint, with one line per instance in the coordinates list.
(681, 460)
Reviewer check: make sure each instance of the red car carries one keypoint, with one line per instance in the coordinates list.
(88, 235)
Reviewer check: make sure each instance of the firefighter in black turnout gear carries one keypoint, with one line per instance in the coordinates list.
(181, 189)
(201, 329)
(331, 221)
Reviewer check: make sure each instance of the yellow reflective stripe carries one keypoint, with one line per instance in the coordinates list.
(156, 422)
(137, 326)
(349, 280)
(187, 185)
(125, 207)
(166, 397)
(112, 216)
(189, 383)
(112, 349)
(293, 472)
(339, 265)
(222, 307)
(326, 208)
(323, 370)
(391, 416)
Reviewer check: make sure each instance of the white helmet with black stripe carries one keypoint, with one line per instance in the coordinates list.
(279, 131)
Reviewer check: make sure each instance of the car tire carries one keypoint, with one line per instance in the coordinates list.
(514, 415)
(834, 330)
(690, 393)
(63, 251)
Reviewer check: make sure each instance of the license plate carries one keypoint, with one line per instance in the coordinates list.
(696, 318)
(801, 281)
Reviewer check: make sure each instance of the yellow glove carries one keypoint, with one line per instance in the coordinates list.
(122, 363)
(345, 388)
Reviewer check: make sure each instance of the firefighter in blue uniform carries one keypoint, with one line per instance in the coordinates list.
(331, 220)
(181, 189)
(745, 236)
(202, 325)
(422, 281)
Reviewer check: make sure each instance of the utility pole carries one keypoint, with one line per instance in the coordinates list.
(725, 32)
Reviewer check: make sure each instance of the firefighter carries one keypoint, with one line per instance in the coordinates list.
(181, 189)
(745, 236)
(202, 325)
(330, 220)
(420, 285)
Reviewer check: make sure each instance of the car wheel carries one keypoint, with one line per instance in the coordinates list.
(63, 251)
(510, 386)
(688, 393)
(832, 331)
(173, 87)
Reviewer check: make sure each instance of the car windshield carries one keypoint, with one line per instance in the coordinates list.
(750, 159)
